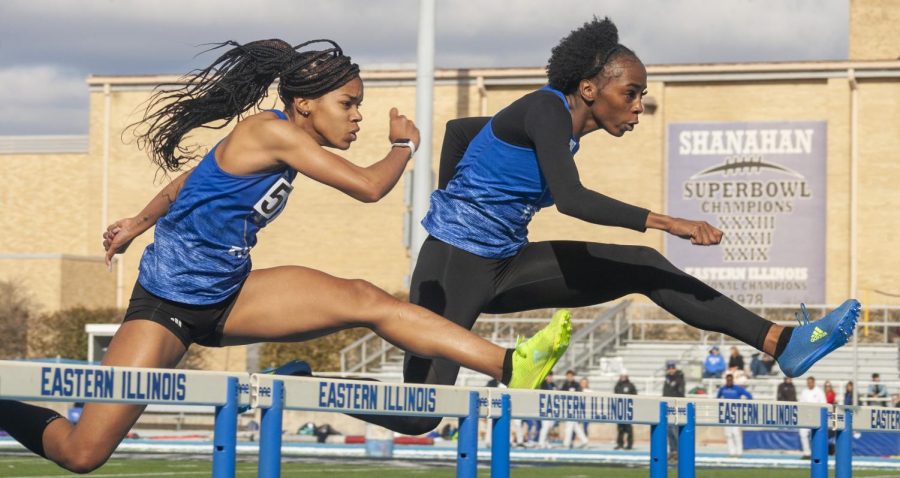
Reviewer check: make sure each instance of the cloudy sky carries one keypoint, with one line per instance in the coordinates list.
(49, 47)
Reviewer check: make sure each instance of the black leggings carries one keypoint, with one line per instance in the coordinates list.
(460, 286)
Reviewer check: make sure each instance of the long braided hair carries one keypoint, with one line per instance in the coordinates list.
(584, 53)
(237, 81)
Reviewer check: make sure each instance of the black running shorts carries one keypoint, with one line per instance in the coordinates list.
(192, 324)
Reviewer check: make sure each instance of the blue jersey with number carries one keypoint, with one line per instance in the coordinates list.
(496, 189)
(201, 248)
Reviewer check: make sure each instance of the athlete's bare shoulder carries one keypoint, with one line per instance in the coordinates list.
(266, 130)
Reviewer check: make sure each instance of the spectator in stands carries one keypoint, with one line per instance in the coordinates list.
(673, 387)
(829, 393)
(811, 394)
(786, 391)
(571, 385)
(761, 364)
(736, 359)
(877, 392)
(624, 431)
(585, 387)
(895, 400)
(738, 375)
(546, 425)
(714, 365)
(733, 434)
(848, 394)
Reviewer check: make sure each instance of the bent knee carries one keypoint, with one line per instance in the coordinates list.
(373, 303)
(84, 460)
(649, 256)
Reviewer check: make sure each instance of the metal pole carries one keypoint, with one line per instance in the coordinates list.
(686, 444)
(270, 434)
(467, 447)
(225, 436)
(819, 463)
(843, 466)
(422, 173)
(500, 440)
(658, 465)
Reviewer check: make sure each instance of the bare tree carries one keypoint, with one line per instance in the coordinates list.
(15, 312)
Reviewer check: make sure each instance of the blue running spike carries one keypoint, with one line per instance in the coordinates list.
(296, 368)
(813, 340)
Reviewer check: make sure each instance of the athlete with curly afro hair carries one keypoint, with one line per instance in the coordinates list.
(496, 173)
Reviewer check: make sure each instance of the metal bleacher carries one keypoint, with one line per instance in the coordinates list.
(639, 338)
(645, 363)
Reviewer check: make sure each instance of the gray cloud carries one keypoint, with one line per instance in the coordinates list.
(56, 44)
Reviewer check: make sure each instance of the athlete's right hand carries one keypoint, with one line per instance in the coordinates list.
(701, 233)
(118, 237)
(402, 127)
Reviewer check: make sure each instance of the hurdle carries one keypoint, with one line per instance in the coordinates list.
(226, 391)
(505, 404)
(274, 394)
(848, 419)
(751, 414)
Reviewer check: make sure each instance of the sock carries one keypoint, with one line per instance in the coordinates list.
(26, 423)
(783, 340)
(507, 367)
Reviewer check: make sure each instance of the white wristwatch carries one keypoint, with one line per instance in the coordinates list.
(405, 143)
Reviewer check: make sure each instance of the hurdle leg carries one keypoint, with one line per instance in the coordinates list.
(686, 444)
(819, 462)
(658, 466)
(467, 446)
(225, 436)
(844, 453)
(500, 440)
(270, 434)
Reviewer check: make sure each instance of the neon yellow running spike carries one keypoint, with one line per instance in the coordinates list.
(535, 358)
(817, 334)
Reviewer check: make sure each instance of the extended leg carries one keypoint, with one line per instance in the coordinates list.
(87, 445)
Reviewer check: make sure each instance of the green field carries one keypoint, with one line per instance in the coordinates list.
(14, 466)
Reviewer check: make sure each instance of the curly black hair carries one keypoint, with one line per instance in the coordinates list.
(583, 54)
(237, 81)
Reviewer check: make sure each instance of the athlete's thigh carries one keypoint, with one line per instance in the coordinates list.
(294, 303)
(570, 274)
(452, 283)
(137, 343)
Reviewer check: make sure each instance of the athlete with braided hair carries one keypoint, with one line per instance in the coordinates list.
(196, 284)
(496, 173)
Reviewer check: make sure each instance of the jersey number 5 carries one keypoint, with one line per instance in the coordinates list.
(273, 201)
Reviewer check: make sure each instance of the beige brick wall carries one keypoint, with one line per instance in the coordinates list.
(879, 176)
(39, 279)
(86, 282)
(42, 197)
(324, 229)
(53, 203)
(56, 281)
(873, 29)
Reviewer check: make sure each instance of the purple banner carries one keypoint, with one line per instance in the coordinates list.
(763, 185)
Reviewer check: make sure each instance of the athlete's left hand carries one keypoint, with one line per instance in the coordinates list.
(700, 233)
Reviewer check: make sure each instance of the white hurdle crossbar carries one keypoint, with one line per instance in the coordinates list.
(227, 391)
(869, 419)
(231, 391)
(503, 404)
(275, 393)
(751, 414)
